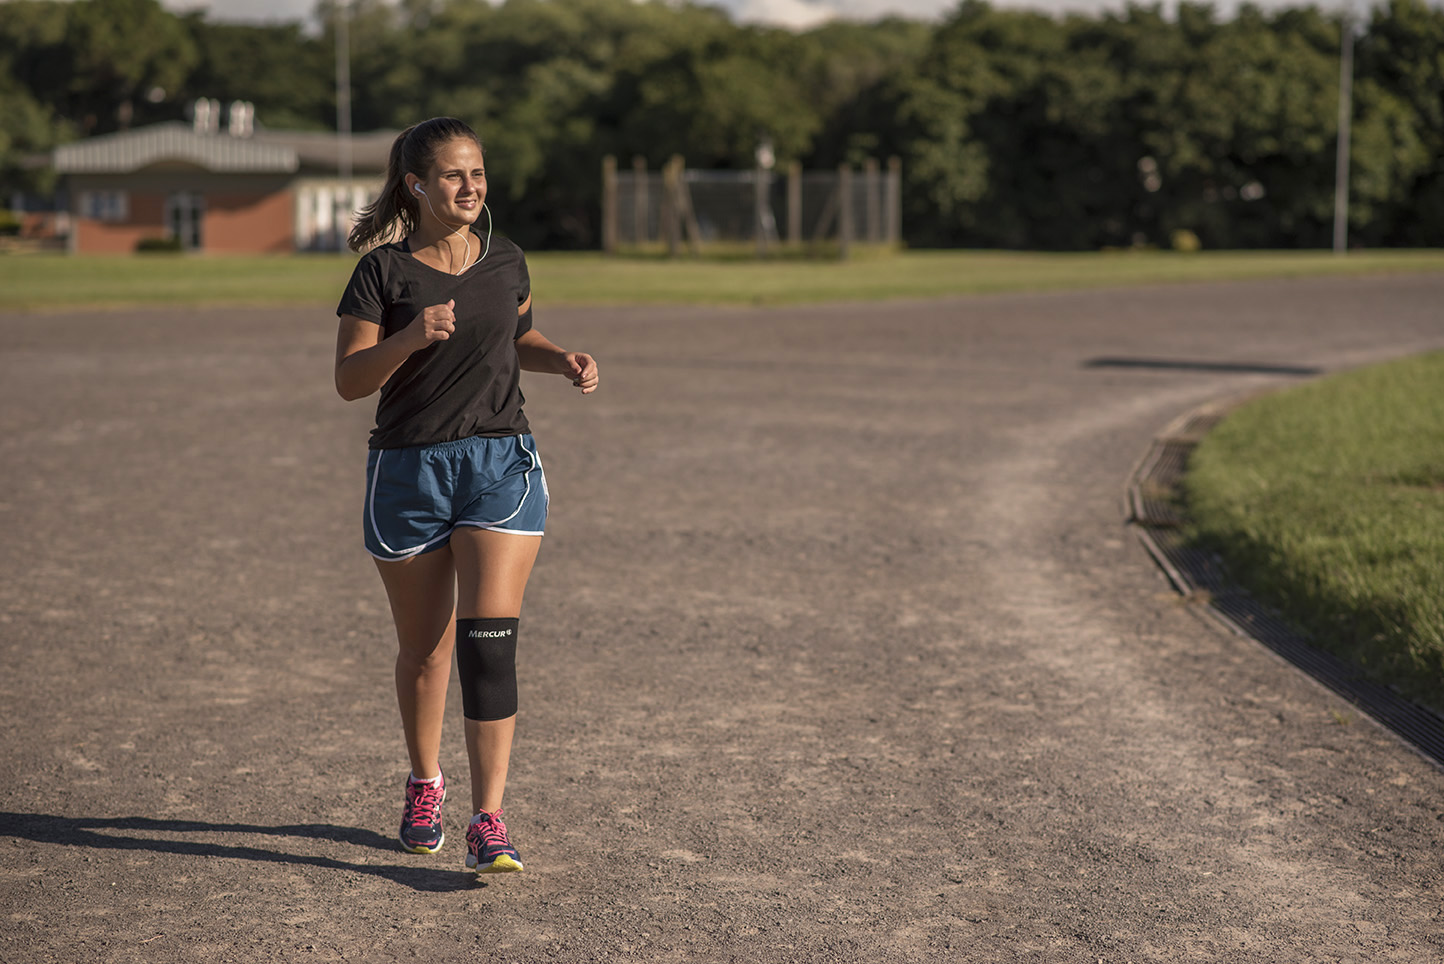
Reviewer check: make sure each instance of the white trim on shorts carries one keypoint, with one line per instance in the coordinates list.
(396, 554)
(521, 503)
(400, 555)
(515, 532)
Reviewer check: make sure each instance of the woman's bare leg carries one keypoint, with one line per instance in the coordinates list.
(422, 595)
(492, 569)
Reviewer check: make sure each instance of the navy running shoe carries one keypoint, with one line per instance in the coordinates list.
(488, 848)
(421, 831)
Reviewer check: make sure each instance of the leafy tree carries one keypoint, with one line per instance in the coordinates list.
(121, 55)
(716, 102)
(28, 128)
(31, 34)
(1009, 128)
(1016, 129)
(1263, 95)
(843, 70)
(288, 76)
(1400, 65)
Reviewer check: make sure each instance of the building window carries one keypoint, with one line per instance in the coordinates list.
(184, 214)
(105, 205)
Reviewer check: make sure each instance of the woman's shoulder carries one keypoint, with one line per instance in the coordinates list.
(505, 247)
(385, 253)
(514, 259)
(379, 264)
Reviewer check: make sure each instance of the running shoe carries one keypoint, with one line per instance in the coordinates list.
(488, 848)
(421, 831)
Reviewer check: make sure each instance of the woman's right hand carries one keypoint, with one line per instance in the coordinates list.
(432, 324)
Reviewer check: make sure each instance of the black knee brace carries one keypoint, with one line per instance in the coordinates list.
(486, 662)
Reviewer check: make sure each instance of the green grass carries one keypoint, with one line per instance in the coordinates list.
(33, 282)
(1327, 501)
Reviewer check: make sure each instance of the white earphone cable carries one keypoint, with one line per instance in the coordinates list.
(466, 253)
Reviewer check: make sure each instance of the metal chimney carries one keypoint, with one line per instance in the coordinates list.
(240, 118)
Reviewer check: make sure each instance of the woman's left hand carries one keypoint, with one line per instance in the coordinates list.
(582, 368)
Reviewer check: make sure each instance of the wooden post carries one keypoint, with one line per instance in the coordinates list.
(844, 210)
(672, 204)
(794, 203)
(686, 217)
(759, 208)
(894, 200)
(827, 218)
(609, 204)
(873, 184)
(641, 231)
(667, 203)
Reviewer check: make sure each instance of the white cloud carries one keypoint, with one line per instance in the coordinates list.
(796, 14)
(247, 11)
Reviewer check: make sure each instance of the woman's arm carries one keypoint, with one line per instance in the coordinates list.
(364, 360)
(536, 354)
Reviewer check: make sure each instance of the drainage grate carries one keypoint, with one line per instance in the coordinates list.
(1155, 503)
(1172, 462)
(1201, 571)
(1197, 426)
(1155, 498)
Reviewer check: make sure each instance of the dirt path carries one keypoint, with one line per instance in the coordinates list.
(838, 650)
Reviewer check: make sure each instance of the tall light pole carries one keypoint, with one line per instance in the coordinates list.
(341, 209)
(1346, 115)
(343, 89)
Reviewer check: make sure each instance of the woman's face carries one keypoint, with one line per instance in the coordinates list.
(457, 185)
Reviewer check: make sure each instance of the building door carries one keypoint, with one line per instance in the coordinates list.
(184, 215)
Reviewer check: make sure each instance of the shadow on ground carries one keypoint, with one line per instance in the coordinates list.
(105, 833)
(1210, 367)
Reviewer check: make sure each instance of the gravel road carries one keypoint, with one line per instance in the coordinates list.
(838, 650)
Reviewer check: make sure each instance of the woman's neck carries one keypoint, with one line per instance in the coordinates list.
(443, 248)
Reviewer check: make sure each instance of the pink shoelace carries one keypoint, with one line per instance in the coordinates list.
(491, 830)
(423, 802)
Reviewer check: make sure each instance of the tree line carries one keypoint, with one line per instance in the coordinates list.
(1016, 129)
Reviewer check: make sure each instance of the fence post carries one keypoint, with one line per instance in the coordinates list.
(686, 217)
(844, 210)
(873, 182)
(609, 204)
(672, 203)
(641, 230)
(894, 200)
(794, 203)
(666, 211)
(759, 208)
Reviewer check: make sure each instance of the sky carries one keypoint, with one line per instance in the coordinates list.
(789, 13)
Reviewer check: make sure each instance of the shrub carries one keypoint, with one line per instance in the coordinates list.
(158, 246)
(1185, 240)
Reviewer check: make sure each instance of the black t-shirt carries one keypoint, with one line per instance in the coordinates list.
(469, 384)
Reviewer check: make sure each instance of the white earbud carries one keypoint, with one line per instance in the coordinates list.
(417, 189)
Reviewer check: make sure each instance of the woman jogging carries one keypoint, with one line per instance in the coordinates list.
(440, 322)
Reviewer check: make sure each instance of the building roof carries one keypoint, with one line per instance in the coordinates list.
(319, 150)
(261, 152)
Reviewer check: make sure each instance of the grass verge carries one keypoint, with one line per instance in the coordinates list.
(58, 282)
(1327, 502)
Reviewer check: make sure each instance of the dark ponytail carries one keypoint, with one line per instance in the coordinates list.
(413, 152)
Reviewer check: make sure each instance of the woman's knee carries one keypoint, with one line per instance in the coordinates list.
(426, 652)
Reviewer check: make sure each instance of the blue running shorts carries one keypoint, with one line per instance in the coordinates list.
(417, 496)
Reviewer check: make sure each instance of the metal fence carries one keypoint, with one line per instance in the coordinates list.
(769, 210)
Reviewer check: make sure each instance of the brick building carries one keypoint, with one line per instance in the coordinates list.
(242, 190)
